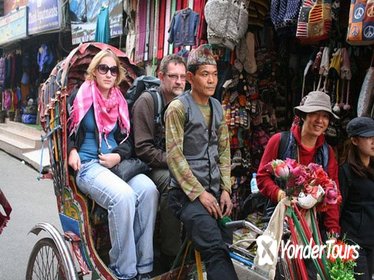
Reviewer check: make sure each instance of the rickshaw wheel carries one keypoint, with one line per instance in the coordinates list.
(45, 262)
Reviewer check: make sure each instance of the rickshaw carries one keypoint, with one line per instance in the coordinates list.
(81, 251)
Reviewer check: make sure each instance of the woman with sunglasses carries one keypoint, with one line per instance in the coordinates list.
(99, 125)
(356, 179)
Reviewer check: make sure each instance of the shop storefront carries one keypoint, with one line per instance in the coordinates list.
(31, 46)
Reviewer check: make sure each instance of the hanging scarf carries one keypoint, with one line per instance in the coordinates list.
(106, 111)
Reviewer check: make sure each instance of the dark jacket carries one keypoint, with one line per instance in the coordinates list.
(183, 28)
(357, 212)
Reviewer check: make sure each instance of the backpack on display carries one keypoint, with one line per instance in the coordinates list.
(314, 22)
(227, 22)
(361, 23)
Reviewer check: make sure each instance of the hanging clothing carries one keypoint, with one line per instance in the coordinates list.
(161, 36)
(102, 33)
(183, 28)
(2, 71)
(130, 29)
(141, 27)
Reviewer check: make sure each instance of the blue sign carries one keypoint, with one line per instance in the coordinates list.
(44, 15)
(13, 26)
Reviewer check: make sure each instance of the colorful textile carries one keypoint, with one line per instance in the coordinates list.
(361, 23)
(314, 21)
(201, 55)
(106, 110)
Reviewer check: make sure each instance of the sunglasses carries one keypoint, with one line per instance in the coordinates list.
(103, 69)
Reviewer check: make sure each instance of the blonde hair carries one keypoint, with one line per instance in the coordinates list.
(96, 61)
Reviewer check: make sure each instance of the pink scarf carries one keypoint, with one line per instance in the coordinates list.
(106, 111)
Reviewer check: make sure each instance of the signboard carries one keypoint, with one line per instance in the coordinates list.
(83, 16)
(44, 16)
(13, 26)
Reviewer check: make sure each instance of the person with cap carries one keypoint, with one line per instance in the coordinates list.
(198, 156)
(305, 143)
(356, 179)
(149, 140)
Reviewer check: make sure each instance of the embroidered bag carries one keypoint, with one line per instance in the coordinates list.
(314, 22)
(361, 22)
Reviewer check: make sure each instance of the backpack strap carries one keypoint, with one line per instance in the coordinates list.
(284, 144)
(157, 104)
(285, 149)
(325, 155)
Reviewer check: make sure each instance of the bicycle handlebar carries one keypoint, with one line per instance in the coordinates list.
(243, 224)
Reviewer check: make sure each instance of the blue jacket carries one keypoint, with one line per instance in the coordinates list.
(183, 28)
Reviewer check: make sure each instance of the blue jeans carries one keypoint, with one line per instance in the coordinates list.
(132, 208)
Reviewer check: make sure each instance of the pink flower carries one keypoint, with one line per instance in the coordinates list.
(280, 168)
(331, 195)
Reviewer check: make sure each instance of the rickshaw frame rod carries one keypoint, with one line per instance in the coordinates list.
(61, 247)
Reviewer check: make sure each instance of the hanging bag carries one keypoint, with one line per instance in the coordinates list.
(314, 22)
(361, 22)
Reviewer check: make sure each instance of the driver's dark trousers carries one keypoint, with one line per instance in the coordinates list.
(207, 237)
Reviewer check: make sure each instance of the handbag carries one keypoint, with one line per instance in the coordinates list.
(361, 22)
(129, 168)
(314, 22)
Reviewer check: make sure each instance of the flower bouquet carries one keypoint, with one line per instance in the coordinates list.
(309, 184)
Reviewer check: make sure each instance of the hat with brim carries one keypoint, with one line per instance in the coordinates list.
(361, 126)
(315, 101)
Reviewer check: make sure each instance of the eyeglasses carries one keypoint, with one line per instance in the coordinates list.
(175, 77)
(103, 69)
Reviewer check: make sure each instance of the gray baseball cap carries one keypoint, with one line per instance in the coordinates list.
(361, 126)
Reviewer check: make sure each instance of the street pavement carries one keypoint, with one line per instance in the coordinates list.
(32, 201)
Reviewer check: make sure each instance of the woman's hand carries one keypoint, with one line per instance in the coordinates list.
(74, 160)
(109, 160)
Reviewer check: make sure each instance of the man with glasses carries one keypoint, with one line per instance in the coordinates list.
(150, 147)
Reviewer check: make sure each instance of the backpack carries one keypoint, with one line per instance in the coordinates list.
(141, 84)
(147, 84)
(227, 22)
(361, 24)
(314, 21)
